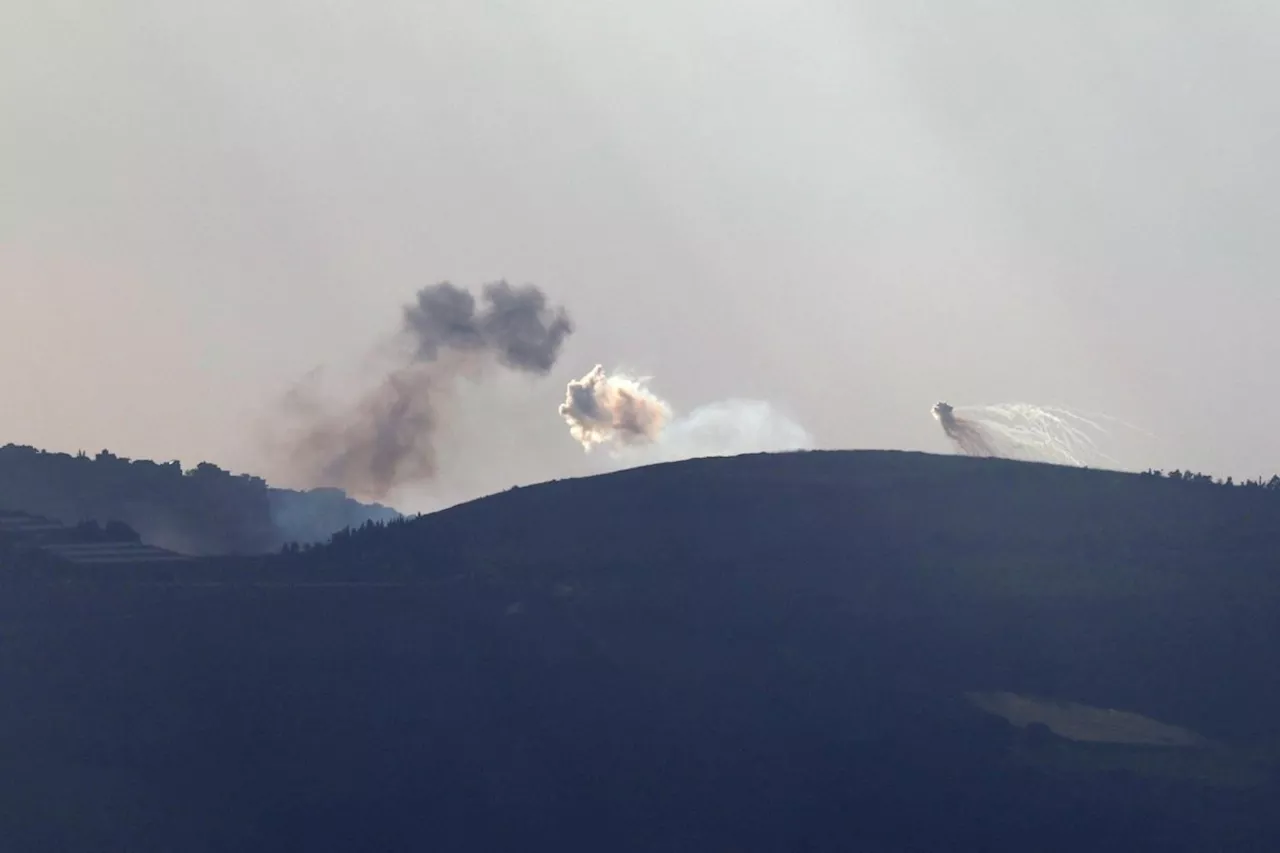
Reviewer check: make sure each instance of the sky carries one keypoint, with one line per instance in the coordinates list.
(851, 210)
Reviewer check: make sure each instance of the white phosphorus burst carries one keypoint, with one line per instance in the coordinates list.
(637, 427)
(1029, 432)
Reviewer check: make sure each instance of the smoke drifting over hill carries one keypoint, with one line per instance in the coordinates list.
(638, 427)
(1024, 431)
(384, 439)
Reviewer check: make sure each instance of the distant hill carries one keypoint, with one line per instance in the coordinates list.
(799, 652)
(204, 510)
(33, 543)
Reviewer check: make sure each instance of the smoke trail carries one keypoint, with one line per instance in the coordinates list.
(1026, 431)
(384, 439)
(967, 435)
(639, 428)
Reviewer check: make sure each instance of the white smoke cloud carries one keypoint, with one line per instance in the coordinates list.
(637, 427)
(619, 410)
(1029, 432)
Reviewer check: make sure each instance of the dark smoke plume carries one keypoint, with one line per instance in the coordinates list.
(515, 324)
(969, 436)
(384, 440)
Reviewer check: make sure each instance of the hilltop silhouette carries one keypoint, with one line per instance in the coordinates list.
(797, 652)
(203, 510)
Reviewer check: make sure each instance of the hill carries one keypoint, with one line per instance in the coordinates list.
(814, 651)
(30, 544)
(204, 510)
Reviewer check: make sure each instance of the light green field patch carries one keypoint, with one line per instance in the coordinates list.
(1077, 722)
(1103, 740)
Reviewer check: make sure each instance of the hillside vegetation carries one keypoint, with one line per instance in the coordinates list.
(799, 652)
(204, 510)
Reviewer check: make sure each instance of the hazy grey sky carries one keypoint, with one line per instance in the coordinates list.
(851, 209)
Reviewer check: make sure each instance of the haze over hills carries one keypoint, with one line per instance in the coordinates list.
(811, 651)
(204, 510)
(417, 253)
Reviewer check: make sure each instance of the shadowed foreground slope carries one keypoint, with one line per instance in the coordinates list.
(761, 653)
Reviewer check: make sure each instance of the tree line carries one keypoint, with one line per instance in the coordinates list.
(1272, 484)
(199, 510)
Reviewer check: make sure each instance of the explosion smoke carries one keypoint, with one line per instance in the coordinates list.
(600, 409)
(639, 427)
(384, 439)
(1024, 431)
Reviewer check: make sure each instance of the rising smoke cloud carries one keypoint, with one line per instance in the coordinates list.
(638, 427)
(385, 438)
(620, 410)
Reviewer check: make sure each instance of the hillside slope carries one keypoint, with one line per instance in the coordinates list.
(816, 651)
(204, 510)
